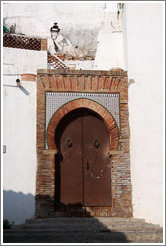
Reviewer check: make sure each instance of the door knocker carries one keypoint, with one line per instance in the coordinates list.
(96, 143)
(69, 142)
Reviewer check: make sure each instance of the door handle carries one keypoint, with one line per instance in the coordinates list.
(87, 165)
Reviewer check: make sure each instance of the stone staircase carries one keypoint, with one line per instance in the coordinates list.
(84, 230)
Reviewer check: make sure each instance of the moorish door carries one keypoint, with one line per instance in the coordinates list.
(83, 176)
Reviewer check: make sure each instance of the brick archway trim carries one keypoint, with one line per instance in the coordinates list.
(83, 103)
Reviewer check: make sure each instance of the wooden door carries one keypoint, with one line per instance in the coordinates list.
(68, 163)
(83, 175)
(97, 175)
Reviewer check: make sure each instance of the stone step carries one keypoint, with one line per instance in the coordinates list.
(105, 220)
(93, 226)
(83, 237)
(84, 230)
(75, 231)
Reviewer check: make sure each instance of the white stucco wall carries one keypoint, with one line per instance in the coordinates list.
(79, 22)
(140, 52)
(19, 61)
(109, 52)
(143, 33)
(19, 161)
(19, 133)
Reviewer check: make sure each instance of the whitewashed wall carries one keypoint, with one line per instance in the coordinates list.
(140, 52)
(19, 133)
(80, 23)
(143, 24)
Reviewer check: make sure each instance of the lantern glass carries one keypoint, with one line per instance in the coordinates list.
(54, 31)
(54, 35)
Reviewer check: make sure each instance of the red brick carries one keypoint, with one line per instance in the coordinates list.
(121, 187)
(73, 82)
(43, 44)
(95, 80)
(88, 83)
(101, 83)
(108, 82)
(80, 83)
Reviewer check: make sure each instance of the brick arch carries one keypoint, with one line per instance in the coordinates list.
(83, 103)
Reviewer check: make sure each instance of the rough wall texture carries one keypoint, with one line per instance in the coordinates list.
(80, 23)
(114, 81)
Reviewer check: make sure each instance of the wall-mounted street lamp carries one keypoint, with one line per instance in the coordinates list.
(54, 31)
(18, 82)
(54, 34)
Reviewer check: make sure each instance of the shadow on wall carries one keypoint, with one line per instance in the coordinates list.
(61, 230)
(24, 90)
(17, 206)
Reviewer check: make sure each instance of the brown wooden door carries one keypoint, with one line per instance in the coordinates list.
(97, 176)
(68, 170)
(84, 175)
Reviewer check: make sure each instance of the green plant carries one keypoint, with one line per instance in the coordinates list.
(7, 224)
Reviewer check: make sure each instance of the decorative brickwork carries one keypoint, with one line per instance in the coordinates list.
(24, 42)
(114, 81)
(56, 62)
(83, 103)
(28, 77)
(55, 100)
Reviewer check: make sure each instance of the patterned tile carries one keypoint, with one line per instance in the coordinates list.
(56, 100)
